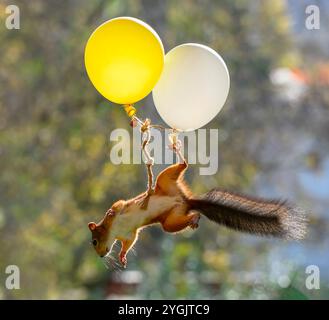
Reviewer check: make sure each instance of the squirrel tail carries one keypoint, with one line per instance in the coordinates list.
(252, 215)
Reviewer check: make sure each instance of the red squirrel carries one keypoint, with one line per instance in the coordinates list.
(173, 205)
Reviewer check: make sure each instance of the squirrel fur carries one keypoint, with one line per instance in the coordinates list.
(173, 205)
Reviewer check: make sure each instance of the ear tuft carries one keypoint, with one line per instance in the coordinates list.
(119, 206)
(92, 226)
(110, 212)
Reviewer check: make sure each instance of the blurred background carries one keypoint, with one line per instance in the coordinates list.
(56, 174)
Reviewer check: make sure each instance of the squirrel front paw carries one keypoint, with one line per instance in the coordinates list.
(123, 259)
(143, 202)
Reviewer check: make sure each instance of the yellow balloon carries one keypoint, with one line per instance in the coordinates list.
(124, 59)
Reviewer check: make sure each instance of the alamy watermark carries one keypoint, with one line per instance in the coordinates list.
(13, 19)
(312, 278)
(201, 146)
(312, 281)
(12, 281)
(312, 21)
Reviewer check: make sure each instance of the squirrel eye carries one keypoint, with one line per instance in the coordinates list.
(94, 242)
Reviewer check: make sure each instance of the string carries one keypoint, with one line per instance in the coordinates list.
(145, 128)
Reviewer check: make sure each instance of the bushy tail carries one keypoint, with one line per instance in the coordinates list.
(252, 215)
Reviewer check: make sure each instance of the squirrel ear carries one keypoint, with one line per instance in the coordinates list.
(110, 212)
(118, 207)
(92, 226)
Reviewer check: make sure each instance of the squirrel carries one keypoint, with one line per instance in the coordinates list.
(172, 204)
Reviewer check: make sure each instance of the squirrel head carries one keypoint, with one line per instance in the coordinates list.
(100, 232)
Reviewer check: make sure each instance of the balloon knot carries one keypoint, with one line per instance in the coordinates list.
(146, 125)
(130, 110)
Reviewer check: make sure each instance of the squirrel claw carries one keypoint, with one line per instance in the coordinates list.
(123, 260)
(194, 223)
(143, 203)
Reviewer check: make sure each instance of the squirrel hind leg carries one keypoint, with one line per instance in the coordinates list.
(176, 222)
(195, 218)
(169, 180)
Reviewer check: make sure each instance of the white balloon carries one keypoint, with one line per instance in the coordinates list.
(193, 86)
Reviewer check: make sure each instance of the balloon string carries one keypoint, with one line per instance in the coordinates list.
(145, 128)
(146, 132)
